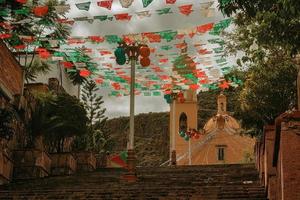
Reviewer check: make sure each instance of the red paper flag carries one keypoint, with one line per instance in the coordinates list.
(40, 11)
(152, 37)
(204, 51)
(105, 4)
(123, 17)
(116, 86)
(180, 36)
(203, 81)
(194, 86)
(67, 64)
(104, 52)
(186, 9)
(204, 28)
(164, 60)
(180, 45)
(224, 85)
(170, 1)
(127, 39)
(97, 39)
(22, 1)
(5, 36)
(84, 73)
(21, 46)
(99, 81)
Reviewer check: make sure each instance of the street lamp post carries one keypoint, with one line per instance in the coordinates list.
(133, 52)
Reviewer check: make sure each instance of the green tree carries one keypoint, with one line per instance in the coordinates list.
(97, 137)
(272, 23)
(266, 35)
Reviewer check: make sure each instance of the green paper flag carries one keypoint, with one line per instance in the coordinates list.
(83, 6)
(164, 11)
(219, 27)
(146, 3)
(168, 35)
(166, 47)
(103, 17)
(218, 50)
(156, 93)
(23, 11)
(112, 39)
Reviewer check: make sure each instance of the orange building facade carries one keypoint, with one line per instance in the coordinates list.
(220, 142)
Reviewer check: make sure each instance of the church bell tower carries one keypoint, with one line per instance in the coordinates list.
(183, 111)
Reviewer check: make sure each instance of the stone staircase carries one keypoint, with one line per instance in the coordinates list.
(164, 183)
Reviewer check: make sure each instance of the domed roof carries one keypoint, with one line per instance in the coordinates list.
(222, 121)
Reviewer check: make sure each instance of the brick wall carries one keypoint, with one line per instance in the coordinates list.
(290, 163)
(10, 72)
(278, 156)
(269, 170)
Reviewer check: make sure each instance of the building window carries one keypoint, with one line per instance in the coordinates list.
(183, 122)
(221, 152)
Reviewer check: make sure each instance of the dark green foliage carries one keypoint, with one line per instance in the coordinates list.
(38, 66)
(97, 137)
(269, 90)
(7, 117)
(151, 137)
(76, 78)
(57, 117)
(274, 23)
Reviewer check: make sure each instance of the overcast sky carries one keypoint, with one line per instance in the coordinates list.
(119, 106)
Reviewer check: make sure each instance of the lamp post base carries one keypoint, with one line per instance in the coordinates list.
(130, 175)
(173, 158)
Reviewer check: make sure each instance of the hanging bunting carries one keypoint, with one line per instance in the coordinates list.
(103, 17)
(224, 85)
(126, 3)
(143, 14)
(146, 3)
(112, 39)
(82, 19)
(123, 17)
(152, 37)
(168, 35)
(24, 11)
(83, 6)
(186, 9)
(204, 28)
(5, 36)
(170, 1)
(105, 4)
(164, 11)
(96, 39)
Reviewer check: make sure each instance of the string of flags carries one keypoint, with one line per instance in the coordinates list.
(99, 63)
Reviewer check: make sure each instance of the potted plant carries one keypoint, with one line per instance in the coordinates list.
(7, 130)
(70, 120)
